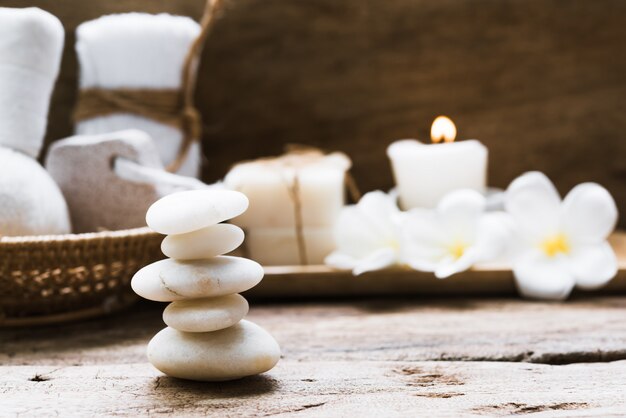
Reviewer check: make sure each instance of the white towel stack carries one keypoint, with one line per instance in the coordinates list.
(31, 42)
(137, 51)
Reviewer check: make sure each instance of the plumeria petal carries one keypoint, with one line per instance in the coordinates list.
(367, 235)
(423, 240)
(352, 234)
(593, 265)
(449, 266)
(340, 261)
(367, 226)
(534, 203)
(378, 260)
(541, 277)
(495, 235)
(450, 238)
(422, 234)
(459, 213)
(421, 264)
(589, 213)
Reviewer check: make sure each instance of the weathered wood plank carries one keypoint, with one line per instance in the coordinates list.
(584, 330)
(351, 358)
(313, 388)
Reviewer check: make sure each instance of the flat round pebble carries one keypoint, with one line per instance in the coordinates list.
(204, 243)
(206, 315)
(191, 210)
(169, 280)
(244, 349)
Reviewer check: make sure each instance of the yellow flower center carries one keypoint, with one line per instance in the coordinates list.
(393, 244)
(555, 244)
(457, 249)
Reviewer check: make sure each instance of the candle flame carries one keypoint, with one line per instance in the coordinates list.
(443, 128)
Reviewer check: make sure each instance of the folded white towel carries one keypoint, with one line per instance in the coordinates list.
(137, 51)
(31, 42)
(30, 202)
(110, 180)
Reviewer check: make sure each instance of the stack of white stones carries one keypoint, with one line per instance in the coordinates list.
(207, 338)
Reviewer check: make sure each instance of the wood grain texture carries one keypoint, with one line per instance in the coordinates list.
(540, 82)
(320, 389)
(386, 357)
(589, 329)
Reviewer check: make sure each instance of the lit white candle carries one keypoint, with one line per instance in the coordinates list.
(424, 173)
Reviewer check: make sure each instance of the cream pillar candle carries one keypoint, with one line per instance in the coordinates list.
(275, 186)
(291, 194)
(279, 246)
(424, 173)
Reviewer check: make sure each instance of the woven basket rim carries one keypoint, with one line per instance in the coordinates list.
(85, 236)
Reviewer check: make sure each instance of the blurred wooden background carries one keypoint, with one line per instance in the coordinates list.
(541, 82)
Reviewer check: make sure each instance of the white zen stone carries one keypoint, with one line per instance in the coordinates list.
(244, 349)
(191, 210)
(169, 280)
(206, 315)
(204, 243)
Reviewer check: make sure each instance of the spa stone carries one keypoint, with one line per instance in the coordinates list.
(170, 280)
(206, 315)
(183, 212)
(242, 350)
(204, 243)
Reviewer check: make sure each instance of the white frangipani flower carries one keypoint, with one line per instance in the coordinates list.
(453, 236)
(561, 243)
(367, 235)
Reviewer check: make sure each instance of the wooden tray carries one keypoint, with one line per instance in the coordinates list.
(487, 279)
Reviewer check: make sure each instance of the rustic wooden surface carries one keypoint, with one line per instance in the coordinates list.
(379, 357)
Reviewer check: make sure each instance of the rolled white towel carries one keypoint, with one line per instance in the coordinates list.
(110, 180)
(30, 201)
(137, 51)
(31, 42)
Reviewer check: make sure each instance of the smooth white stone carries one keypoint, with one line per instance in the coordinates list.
(206, 315)
(191, 210)
(169, 280)
(204, 243)
(244, 349)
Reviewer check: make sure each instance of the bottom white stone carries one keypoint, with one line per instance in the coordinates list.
(244, 349)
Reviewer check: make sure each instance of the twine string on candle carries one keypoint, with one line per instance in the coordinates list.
(350, 182)
(293, 189)
(352, 187)
(174, 107)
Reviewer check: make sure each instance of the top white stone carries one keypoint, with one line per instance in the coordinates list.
(189, 211)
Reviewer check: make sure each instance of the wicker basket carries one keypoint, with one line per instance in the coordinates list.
(47, 279)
